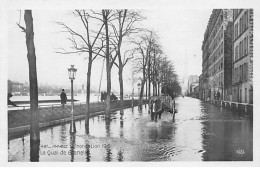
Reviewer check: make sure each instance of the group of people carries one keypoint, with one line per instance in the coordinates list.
(157, 107)
(104, 96)
(217, 95)
(63, 98)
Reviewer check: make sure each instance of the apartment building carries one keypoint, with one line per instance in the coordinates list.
(242, 77)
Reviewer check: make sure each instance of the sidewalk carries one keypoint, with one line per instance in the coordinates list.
(235, 106)
(19, 120)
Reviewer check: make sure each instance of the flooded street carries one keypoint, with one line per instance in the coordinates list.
(200, 132)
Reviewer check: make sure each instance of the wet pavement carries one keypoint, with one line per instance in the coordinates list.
(199, 132)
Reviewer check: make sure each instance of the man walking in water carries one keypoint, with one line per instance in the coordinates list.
(63, 98)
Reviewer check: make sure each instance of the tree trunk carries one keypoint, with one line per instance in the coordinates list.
(120, 72)
(88, 93)
(121, 84)
(141, 93)
(158, 89)
(149, 81)
(146, 90)
(108, 68)
(34, 125)
(107, 114)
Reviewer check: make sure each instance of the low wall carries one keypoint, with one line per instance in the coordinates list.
(19, 120)
(234, 106)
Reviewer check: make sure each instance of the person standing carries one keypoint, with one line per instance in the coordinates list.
(152, 109)
(157, 107)
(63, 98)
(218, 95)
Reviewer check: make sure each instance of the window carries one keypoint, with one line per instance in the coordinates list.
(235, 32)
(246, 71)
(237, 29)
(240, 47)
(240, 26)
(245, 46)
(242, 72)
(245, 19)
(242, 23)
(235, 75)
(246, 14)
(235, 58)
(245, 95)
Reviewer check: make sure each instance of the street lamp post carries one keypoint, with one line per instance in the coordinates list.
(139, 86)
(133, 97)
(72, 74)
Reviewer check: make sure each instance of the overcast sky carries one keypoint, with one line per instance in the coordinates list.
(180, 31)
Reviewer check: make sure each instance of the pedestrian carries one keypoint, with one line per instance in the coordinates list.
(102, 96)
(152, 109)
(157, 107)
(218, 95)
(162, 109)
(63, 98)
(9, 102)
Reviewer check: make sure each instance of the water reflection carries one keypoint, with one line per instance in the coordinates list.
(63, 134)
(108, 153)
(120, 156)
(121, 126)
(34, 151)
(227, 137)
(87, 152)
(140, 109)
(72, 146)
(107, 123)
(199, 132)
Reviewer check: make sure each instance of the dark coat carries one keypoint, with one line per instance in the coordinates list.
(63, 98)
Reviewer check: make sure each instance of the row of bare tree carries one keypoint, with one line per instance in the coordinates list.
(157, 70)
(103, 34)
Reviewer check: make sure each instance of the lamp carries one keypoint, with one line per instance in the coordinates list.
(139, 86)
(72, 75)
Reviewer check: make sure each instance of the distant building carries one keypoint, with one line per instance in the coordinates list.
(191, 80)
(217, 56)
(17, 88)
(242, 79)
(194, 90)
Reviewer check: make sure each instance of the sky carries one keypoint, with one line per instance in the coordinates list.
(180, 32)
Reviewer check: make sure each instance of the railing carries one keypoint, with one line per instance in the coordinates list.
(55, 112)
(234, 106)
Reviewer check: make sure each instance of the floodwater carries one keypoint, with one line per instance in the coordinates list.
(199, 132)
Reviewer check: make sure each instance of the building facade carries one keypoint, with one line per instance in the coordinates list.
(193, 79)
(217, 49)
(242, 77)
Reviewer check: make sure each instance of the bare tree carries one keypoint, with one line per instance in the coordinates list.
(31, 56)
(156, 69)
(108, 17)
(91, 44)
(124, 26)
(143, 61)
